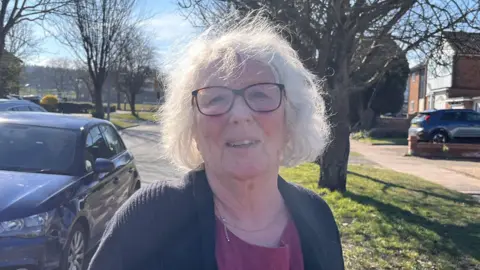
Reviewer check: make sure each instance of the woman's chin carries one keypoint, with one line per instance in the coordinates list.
(245, 170)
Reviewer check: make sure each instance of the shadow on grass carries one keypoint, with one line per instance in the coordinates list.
(387, 185)
(455, 240)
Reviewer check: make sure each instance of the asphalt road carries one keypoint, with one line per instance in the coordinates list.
(144, 142)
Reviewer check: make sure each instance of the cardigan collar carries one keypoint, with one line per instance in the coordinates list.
(303, 216)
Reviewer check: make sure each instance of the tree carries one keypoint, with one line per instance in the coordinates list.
(95, 31)
(10, 72)
(385, 96)
(22, 41)
(328, 36)
(135, 66)
(15, 12)
(63, 74)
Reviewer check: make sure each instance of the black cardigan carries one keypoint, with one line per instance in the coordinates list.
(171, 225)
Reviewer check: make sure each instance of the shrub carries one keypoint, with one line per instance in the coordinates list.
(71, 107)
(50, 100)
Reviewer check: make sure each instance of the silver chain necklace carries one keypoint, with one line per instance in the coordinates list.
(225, 223)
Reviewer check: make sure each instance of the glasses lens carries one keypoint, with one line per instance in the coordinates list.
(214, 100)
(263, 97)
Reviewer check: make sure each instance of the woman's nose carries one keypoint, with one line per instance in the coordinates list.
(240, 110)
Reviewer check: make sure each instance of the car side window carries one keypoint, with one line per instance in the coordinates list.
(473, 116)
(95, 147)
(114, 142)
(451, 116)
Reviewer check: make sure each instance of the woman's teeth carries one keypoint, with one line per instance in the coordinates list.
(245, 143)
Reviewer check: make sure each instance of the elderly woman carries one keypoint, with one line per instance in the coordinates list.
(239, 105)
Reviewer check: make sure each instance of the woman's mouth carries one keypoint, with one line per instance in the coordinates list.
(243, 143)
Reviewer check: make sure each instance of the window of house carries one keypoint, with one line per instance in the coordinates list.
(422, 85)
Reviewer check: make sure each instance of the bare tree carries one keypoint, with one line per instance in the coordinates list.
(14, 12)
(21, 40)
(95, 30)
(83, 79)
(135, 66)
(328, 36)
(63, 74)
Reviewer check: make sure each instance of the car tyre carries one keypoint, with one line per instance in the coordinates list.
(440, 136)
(75, 253)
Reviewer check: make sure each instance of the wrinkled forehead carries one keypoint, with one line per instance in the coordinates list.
(236, 74)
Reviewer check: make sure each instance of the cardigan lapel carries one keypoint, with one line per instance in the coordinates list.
(303, 216)
(203, 202)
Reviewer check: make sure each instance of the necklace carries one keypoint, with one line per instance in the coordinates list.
(225, 223)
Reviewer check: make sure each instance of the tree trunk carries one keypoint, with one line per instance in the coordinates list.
(132, 104)
(3, 91)
(118, 100)
(99, 113)
(334, 162)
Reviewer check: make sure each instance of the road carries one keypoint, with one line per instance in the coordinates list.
(144, 142)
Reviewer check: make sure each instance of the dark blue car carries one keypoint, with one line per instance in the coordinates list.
(446, 125)
(61, 180)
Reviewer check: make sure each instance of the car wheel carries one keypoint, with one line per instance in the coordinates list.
(440, 136)
(74, 255)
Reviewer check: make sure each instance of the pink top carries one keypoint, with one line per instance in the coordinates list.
(240, 255)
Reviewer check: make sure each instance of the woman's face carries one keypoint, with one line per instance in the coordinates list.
(241, 142)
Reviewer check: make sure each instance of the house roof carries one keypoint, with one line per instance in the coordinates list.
(463, 42)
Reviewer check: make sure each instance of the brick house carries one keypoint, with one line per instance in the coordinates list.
(416, 85)
(455, 81)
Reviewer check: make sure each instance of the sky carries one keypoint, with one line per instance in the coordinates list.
(165, 24)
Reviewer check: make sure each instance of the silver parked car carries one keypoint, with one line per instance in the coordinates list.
(20, 105)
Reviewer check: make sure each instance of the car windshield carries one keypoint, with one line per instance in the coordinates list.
(36, 149)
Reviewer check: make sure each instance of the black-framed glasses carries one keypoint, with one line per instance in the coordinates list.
(259, 97)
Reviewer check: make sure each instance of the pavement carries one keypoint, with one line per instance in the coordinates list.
(144, 142)
(456, 175)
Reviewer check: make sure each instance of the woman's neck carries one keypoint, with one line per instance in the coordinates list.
(248, 203)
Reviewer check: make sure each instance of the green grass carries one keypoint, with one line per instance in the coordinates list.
(385, 141)
(140, 107)
(355, 154)
(390, 220)
(127, 120)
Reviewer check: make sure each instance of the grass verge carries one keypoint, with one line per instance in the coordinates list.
(126, 120)
(140, 107)
(390, 220)
(385, 141)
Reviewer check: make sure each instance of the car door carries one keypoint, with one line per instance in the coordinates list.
(473, 120)
(100, 203)
(123, 161)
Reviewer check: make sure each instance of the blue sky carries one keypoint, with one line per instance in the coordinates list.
(165, 23)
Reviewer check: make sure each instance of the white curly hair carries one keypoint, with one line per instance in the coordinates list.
(252, 37)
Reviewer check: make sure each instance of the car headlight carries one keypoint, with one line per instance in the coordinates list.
(31, 226)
